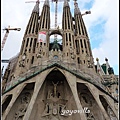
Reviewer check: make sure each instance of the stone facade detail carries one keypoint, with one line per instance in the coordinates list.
(24, 101)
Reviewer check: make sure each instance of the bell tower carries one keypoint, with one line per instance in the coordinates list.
(68, 34)
(27, 52)
(82, 43)
(42, 46)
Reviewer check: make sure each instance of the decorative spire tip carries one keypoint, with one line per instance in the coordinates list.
(97, 59)
(106, 59)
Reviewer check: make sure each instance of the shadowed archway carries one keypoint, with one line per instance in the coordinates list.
(54, 96)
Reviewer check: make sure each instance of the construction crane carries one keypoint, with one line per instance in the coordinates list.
(56, 1)
(32, 1)
(86, 12)
(55, 36)
(6, 35)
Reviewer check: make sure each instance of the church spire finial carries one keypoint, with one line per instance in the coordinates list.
(66, 3)
(36, 7)
(76, 10)
(99, 68)
(46, 2)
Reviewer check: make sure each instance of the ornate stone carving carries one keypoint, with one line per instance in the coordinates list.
(111, 113)
(22, 63)
(39, 54)
(55, 88)
(85, 99)
(72, 53)
(54, 104)
(90, 116)
(24, 101)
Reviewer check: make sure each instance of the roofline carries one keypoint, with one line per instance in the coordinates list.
(59, 66)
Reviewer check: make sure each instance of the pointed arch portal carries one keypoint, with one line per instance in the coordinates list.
(54, 97)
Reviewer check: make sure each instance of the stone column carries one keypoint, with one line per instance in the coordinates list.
(14, 97)
(72, 83)
(95, 94)
(39, 81)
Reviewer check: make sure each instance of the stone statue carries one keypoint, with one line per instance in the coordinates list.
(24, 101)
(111, 113)
(90, 116)
(55, 88)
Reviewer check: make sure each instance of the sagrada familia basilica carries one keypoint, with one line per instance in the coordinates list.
(47, 80)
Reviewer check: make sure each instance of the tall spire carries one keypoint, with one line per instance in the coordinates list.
(66, 3)
(45, 16)
(32, 26)
(26, 57)
(46, 2)
(82, 43)
(67, 26)
(36, 7)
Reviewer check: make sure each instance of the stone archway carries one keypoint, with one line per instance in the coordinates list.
(87, 100)
(6, 103)
(19, 108)
(52, 41)
(54, 97)
(108, 109)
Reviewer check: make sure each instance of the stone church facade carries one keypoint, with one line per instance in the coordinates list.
(53, 81)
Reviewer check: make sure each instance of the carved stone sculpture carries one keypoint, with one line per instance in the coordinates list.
(24, 101)
(54, 104)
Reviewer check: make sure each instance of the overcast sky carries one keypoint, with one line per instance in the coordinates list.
(102, 25)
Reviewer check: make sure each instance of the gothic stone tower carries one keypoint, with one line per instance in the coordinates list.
(48, 79)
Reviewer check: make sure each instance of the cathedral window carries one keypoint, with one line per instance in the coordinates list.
(31, 23)
(66, 37)
(34, 45)
(73, 41)
(46, 20)
(81, 43)
(22, 46)
(32, 60)
(77, 46)
(85, 43)
(55, 57)
(79, 29)
(82, 26)
(78, 59)
(27, 42)
(117, 91)
(82, 51)
(37, 45)
(69, 37)
(43, 24)
(89, 47)
(68, 18)
(67, 54)
(34, 25)
(31, 42)
(84, 61)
